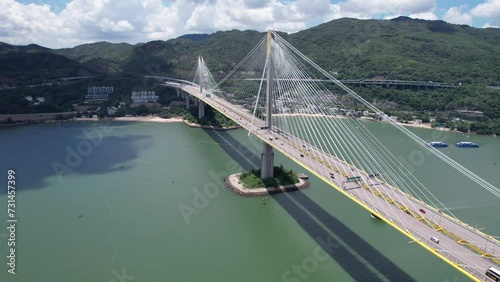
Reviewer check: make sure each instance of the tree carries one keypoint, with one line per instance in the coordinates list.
(141, 110)
(462, 126)
(425, 119)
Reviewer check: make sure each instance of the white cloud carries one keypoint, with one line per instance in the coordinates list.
(489, 9)
(336, 12)
(455, 15)
(256, 4)
(312, 8)
(390, 17)
(424, 16)
(488, 25)
(82, 21)
(374, 7)
(21, 24)
(120, 26)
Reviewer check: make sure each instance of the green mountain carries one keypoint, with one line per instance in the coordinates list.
(23, 68)
(100, 50)
(405, 49)
(398, 49)
(402, 48)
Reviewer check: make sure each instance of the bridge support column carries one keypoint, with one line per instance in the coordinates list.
(196, 101)
(187, 101)
(178, 92)
(267, 162)
(201, 109)
(267, 156)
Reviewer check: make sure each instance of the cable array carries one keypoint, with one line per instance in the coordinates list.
(310, 111)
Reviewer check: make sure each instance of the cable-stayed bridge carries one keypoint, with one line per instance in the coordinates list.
(276, 93)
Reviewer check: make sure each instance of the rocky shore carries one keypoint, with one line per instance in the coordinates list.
(233, 183)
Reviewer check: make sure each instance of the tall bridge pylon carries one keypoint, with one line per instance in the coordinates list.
(267, 156)
(206, 82)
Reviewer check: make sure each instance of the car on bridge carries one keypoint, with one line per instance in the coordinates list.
(422, 210)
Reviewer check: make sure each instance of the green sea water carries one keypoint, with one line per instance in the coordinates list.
(145, 202)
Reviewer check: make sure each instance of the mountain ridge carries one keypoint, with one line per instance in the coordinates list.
(396, 49)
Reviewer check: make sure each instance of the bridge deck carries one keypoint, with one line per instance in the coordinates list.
(462, 246)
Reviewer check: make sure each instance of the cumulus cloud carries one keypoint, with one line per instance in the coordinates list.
(488, 25)
(256, 4)
(27, 23)
(120, 26)
(489, 9)
(456, 16)
(375, 7)
(83, 21)
(424, 16)
(312, 8)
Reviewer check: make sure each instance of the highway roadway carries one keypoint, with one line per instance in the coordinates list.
(395, 207)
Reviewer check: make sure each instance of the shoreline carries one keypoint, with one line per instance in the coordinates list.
(423, 125)
(196, 125)
(233, 183)
(156, 119)
(149, 119)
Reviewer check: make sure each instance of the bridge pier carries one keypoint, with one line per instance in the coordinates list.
(178, 92)
(267, 162)
(187, 101)
(201, 109)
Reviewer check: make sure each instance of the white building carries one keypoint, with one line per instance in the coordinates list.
(98, 93)
(100, 90)
(28, 98)
(144, 97)
(39, 100)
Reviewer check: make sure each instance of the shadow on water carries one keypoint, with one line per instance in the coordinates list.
(238, 151)
(343, 245)
(39, 152)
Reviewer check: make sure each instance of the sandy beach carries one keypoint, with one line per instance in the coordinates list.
(149, 119)
(423, 125)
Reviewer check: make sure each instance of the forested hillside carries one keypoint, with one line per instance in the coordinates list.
(398, 49)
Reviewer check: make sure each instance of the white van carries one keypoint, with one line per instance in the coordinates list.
(435, 240)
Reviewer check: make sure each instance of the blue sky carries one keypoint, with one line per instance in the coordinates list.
(66, 23)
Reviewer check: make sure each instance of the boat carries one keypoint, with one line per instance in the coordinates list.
(467, 144)
(374, 216)
(437, 144)
(302, 176)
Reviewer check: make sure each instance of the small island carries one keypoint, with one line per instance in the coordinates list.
(250, 184)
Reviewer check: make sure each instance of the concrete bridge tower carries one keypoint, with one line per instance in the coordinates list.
(201, 104)
(267, 156)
